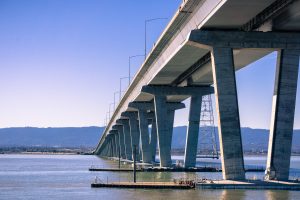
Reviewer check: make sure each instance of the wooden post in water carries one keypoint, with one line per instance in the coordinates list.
(134, 163)
(119, 158)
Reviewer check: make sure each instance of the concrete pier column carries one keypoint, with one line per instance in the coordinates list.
(110, 153)
(283, 111)
(113, 145)
(143, 114)
(144, 133)
(192, 132)
(134, 131)
(228, 113)
(153, 139)
(117, 143)
(164, 125)
(119, 128)
(104, 152)
(127, 138)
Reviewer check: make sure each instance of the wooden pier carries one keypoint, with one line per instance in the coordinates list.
(145, 185)
(157, 169)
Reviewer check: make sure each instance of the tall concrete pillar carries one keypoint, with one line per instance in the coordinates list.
(283, 111)
(143, 114)
(117, 144)
(127, 138)
(144, 133)
(228, 113)
(134, 131)
(153, 139)
(104, 152)
(164, 126)
(114, 146)
(110, 153)
(192, 132)
(119, 128)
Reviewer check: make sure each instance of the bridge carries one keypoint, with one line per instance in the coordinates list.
(196, 55)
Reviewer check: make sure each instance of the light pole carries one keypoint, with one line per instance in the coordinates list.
(129, 63)
(109, 111)
(107, 117)
(115, 100)
(120, 89)
(146, 21)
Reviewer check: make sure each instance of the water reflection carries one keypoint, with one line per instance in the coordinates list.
(233, 194)
(275, 195)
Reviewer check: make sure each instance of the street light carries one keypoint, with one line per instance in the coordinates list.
(109, 111)
(115, 100)
(120, 89)
(129, 75)
(107, 117)
(146, 21)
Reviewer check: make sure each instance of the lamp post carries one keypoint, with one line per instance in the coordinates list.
(109, 111)
(115, 100)
(120, 89)
(129, 66)
(147, 21)
(107, 117)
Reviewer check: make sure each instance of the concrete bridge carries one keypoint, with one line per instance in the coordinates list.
(197, 54)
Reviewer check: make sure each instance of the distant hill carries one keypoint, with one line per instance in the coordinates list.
(253, 139)
(51, 137)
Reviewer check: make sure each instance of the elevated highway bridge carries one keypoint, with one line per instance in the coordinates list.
(197, 54)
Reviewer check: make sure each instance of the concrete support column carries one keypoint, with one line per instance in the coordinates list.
(127, 138)
(164, 125)
(283, 111)
(110, 153)
(153, 139)
(134, 132)
(228, 113)
(144, 133)
(117, 143)
(121, 140)
(114, 146)
(192, 132)
(105, 149)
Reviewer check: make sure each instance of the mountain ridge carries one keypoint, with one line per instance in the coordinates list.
(253, 139)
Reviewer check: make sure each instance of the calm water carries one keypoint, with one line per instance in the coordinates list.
(67, 177)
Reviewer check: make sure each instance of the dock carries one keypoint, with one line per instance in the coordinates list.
(158, 169)
(248, 185)
(176, 169)
(145, 185)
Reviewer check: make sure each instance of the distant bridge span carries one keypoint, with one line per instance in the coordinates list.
(197, 54)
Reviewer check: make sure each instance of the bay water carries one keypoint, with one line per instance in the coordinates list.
(29, 176)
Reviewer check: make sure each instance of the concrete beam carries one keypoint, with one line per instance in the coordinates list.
(150, 105)
(283, 111)
(228, 113)
(142, 105)
(170, 90)
(208, 39)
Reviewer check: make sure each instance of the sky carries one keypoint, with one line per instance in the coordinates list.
(61, 62)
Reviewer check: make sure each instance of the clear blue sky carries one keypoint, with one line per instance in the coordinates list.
(60, 61)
